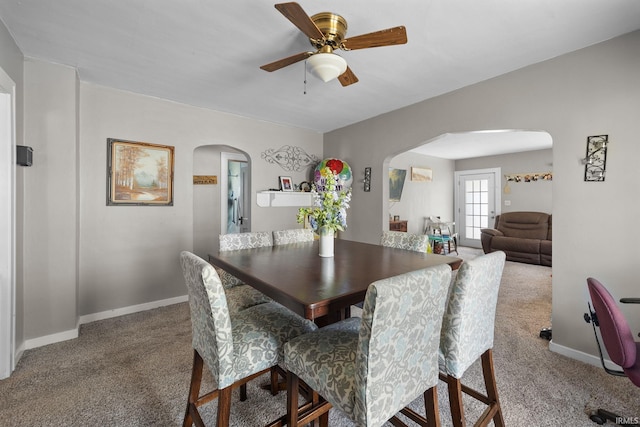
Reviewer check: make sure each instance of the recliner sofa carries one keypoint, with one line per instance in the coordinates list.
(523, 236)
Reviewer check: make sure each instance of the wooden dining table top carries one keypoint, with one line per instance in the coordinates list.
(295, 276)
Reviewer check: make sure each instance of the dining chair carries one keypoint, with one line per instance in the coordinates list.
(294, 235)
(408, 241)
(239, 294)
(236, 347)
(467, 335)
(618, 340)
(372, 367)
(235, 241)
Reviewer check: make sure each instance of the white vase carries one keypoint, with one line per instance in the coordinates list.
(326, 242)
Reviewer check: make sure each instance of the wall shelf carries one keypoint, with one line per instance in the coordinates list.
(273, 199)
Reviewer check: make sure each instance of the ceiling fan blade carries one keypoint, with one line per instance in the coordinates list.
(347, 78)
(294, 13)
(281, 63)
(388, 37)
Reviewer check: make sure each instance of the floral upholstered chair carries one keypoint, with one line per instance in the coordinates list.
(235, 241)
(235, 347)
(467, 334)
(294, 235)
(401, 240)
(371, 368)
(239, 294)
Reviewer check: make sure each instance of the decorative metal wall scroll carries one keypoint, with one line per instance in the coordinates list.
(290, 158)
(595, 163)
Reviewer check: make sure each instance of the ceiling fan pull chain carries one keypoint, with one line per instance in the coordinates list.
(305, 77)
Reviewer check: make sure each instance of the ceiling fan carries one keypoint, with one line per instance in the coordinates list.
(326, 32)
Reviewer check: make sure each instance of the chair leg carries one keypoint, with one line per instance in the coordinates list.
(456, 388)
(324, 420)
(243, 392)
(274, 380)
(431, 407)
(492, 389)
(194, 390)
(292, 399)
(455, 401)
(224, 407)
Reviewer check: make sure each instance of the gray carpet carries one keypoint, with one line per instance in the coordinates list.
(134, 371)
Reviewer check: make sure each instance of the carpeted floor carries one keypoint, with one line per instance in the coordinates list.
(134, 371)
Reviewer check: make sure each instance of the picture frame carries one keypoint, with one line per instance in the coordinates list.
(139, 173)
(421, 174)
(286, 184)
(396, 183)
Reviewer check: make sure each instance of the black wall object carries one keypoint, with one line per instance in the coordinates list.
(367, 179)
(24, 155)
(595, 162)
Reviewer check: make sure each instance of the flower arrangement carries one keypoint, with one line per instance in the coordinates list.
(329, 212)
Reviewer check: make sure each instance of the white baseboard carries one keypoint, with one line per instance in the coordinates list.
(18, 354)
(88, 318)
(51, 339)
(581, 356)
(73, 333)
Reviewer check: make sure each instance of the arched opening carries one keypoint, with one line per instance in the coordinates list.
(431, 190)
(213, 204)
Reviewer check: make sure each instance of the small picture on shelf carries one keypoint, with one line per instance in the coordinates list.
(286, 183)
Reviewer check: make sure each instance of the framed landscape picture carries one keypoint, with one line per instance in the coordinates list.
(139, 173)
(421, 174)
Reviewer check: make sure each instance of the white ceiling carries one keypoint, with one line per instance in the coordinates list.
(208, 53)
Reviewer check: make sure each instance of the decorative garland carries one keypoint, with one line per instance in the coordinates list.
(529, 177)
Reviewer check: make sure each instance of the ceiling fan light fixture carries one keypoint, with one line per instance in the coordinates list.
(327, 66)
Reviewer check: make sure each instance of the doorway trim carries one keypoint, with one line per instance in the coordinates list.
(7, 224)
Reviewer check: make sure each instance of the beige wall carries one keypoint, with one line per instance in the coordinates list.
(50, 200)
(84, 259)
(592, 91)
(128, 254)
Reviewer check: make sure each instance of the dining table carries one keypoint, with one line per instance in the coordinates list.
(318, 288)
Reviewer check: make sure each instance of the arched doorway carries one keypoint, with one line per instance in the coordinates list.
(504, 151)
(211, 201)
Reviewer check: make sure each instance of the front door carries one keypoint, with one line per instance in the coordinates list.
(476, 204)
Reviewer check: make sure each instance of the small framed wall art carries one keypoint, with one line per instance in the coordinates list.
(421, 174)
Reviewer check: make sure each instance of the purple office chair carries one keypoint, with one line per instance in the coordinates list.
(617, 338)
